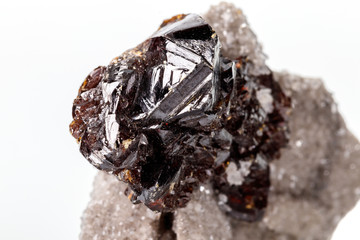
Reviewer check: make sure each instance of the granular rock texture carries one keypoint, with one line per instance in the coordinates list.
(236, 36)
(110, 215)
(211, 220)
(313, 185)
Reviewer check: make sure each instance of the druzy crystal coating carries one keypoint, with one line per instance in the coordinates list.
(172, 113)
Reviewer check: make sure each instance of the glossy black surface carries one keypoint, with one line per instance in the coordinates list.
(172, 114)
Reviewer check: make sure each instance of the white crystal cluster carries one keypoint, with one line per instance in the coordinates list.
(314, 184)
(236, 36)
(110, 214)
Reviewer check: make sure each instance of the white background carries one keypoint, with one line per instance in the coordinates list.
(48, 47)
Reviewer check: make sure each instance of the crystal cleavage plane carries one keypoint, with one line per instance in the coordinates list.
(173, 113)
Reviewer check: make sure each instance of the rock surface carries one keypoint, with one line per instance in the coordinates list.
(110, 214)
(314, 184)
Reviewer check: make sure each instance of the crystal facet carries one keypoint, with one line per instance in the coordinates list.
(173, 113)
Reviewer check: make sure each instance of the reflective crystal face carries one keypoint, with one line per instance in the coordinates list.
(172, 113)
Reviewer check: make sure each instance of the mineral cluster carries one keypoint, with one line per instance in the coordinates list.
(173, 113)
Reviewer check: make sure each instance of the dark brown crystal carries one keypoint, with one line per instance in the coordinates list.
(173, 113)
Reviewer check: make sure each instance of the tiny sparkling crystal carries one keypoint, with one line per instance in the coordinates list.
(172, 113)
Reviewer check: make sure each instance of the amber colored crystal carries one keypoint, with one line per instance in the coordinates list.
(172, 113)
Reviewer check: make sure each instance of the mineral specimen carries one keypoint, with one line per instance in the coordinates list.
(313, 185)
(173, 113)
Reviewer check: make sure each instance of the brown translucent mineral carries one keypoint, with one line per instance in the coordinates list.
(313, 184)
(173, 113)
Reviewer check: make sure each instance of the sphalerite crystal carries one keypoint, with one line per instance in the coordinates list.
(172, 113)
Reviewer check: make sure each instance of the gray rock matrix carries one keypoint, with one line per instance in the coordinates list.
(314, 184)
